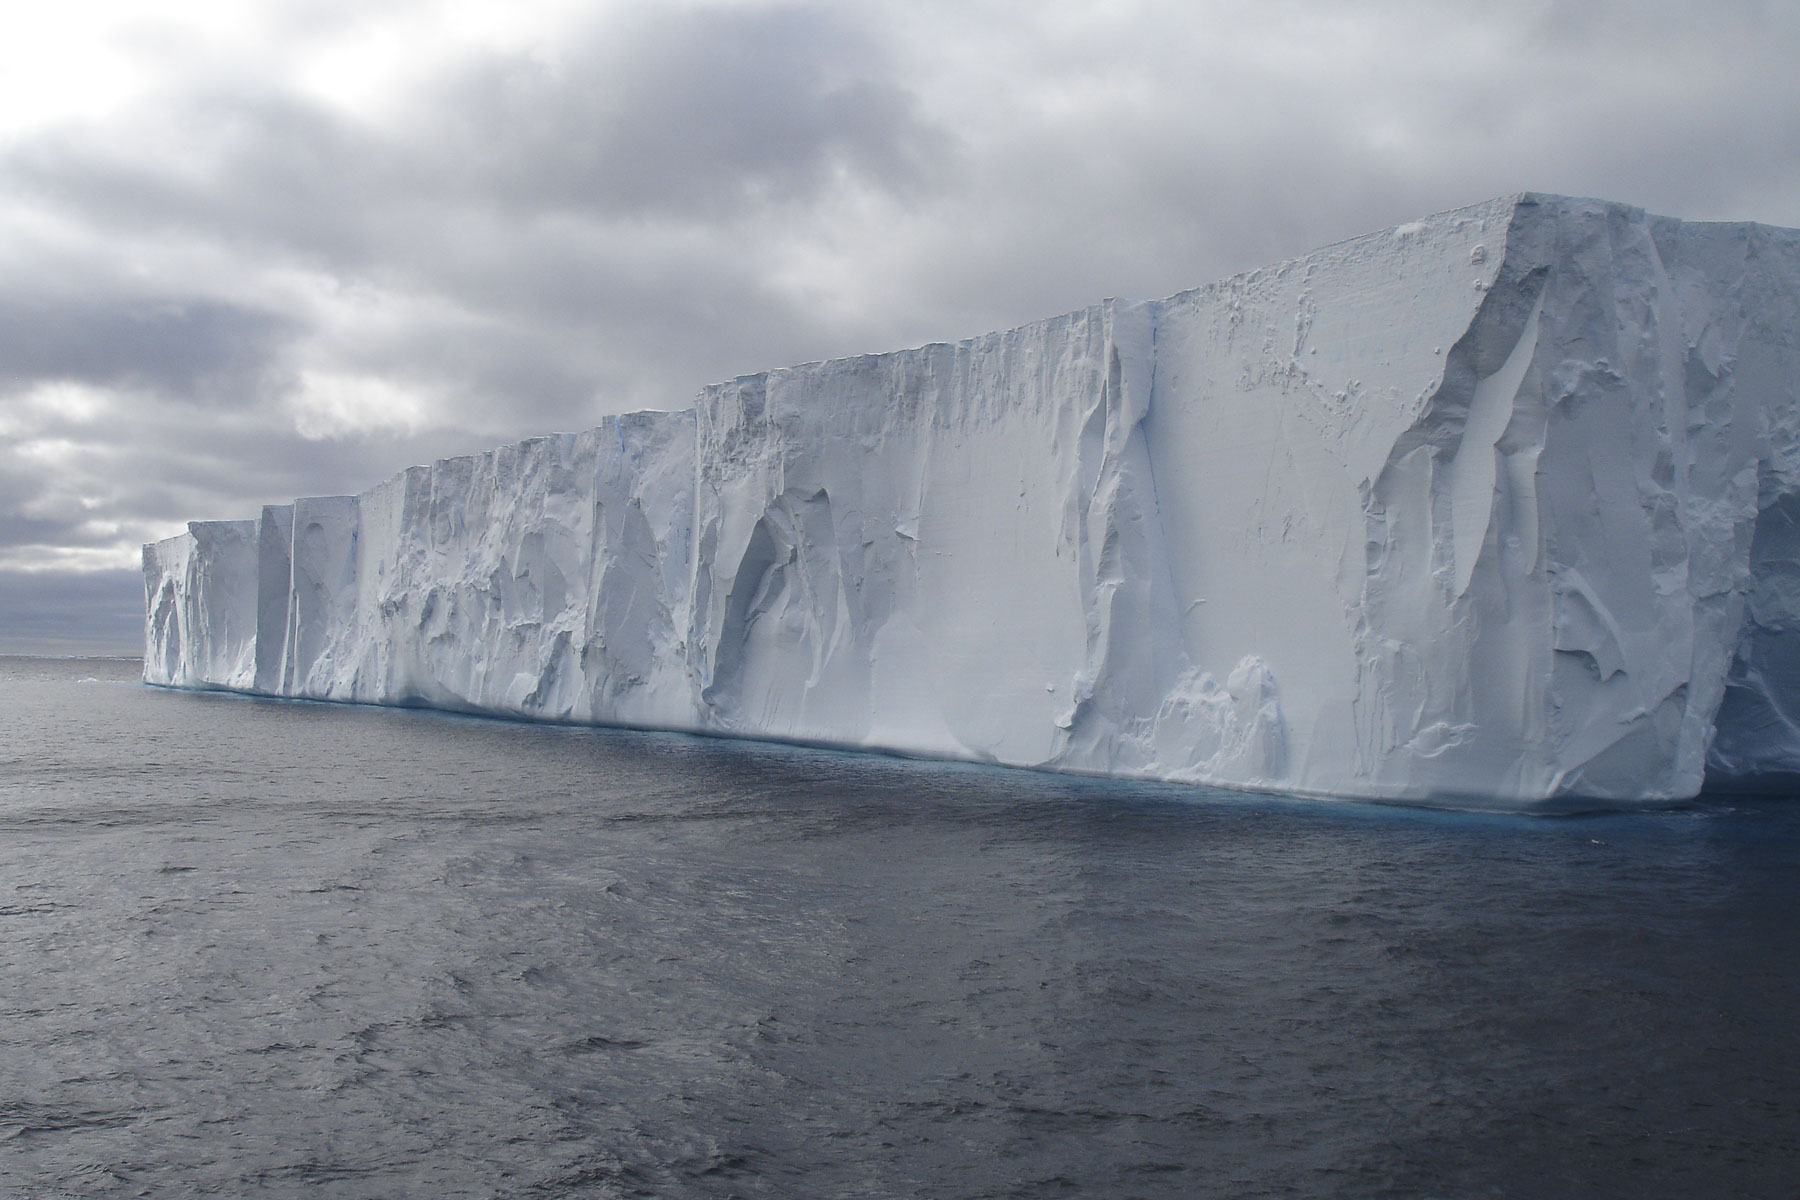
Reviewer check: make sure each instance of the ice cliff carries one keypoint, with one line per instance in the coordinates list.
(1500, 505)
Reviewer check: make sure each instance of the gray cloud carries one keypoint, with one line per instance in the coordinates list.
(100, 612)
(575, 225)
(258, 293)
(690, 113)
(191, 347)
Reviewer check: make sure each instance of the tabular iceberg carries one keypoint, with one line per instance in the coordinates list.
(1498, 506)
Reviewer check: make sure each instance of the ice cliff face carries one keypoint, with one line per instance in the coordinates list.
(1501, 505)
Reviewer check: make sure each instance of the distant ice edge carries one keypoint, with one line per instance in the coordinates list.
(1500, 507)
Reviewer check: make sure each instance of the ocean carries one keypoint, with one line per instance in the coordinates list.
(273, 948)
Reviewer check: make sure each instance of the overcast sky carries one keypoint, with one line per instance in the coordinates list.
(257, 249)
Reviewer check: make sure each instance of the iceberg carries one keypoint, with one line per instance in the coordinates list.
(1501, 506)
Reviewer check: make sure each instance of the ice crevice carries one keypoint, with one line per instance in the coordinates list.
(1500, 506)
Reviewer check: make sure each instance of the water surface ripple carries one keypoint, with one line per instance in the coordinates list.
(263, 948)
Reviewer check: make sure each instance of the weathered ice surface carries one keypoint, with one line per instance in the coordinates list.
(1500, 506)
(200, 606)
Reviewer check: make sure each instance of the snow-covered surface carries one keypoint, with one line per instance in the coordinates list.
(1502, 505)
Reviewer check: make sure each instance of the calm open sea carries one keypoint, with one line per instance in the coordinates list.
(265, 948)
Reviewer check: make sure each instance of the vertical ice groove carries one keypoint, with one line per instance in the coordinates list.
(274, 581)
(1474, 467)
(1496, 505)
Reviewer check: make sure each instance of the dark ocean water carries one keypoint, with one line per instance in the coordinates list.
(261, 948)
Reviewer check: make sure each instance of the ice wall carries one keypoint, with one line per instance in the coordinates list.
(200, 607)
(1502, 505)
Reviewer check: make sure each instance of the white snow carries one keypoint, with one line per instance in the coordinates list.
(1346, 526)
